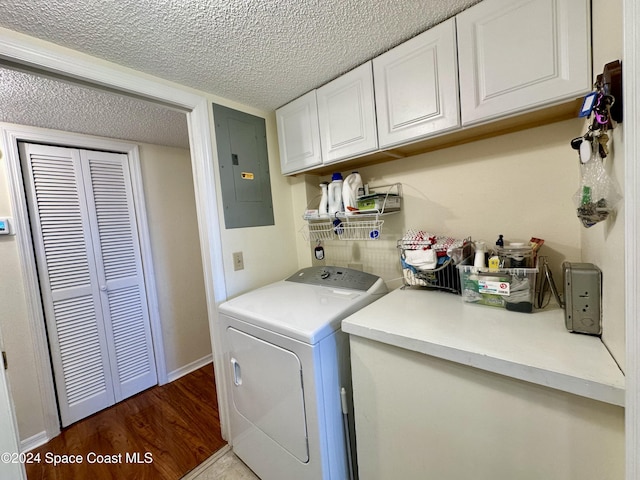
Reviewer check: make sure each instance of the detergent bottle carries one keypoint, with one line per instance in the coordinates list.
(323, 209)
(335, 194)
(350, 188)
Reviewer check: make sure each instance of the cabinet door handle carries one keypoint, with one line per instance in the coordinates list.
(237, 375)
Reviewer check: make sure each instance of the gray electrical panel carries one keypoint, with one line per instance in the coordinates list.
(244, 168)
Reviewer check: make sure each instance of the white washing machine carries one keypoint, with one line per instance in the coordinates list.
(287, 361)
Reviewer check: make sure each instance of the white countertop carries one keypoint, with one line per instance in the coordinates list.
(534, 347)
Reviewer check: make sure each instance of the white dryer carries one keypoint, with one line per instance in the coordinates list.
(287, 361)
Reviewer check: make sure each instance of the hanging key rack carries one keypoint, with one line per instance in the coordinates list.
(603, 108)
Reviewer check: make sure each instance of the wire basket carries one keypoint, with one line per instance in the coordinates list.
(363, 225)
(343, 230)
(318, 231)
(360, 230)
(444, 276)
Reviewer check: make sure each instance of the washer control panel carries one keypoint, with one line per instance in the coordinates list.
(336, 277)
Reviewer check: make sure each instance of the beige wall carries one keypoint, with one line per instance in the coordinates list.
(173, 229)
(15, 329)
(519, 185)
(603, 244)
(269, 252)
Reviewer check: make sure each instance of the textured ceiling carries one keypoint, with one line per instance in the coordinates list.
(28, 99)
(262, 53)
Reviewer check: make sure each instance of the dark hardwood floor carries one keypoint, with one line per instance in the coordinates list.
(174, 428)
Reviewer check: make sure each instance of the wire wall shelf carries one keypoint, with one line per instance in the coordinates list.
(342, 230)
(361, 225)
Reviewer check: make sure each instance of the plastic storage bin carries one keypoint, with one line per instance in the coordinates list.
(510, 288)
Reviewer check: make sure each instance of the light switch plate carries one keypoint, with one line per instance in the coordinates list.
(238, 261)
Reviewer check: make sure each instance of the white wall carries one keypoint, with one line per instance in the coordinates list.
(173, 229)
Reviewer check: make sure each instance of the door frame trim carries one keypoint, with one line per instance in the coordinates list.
(18, 133)
(631, 94)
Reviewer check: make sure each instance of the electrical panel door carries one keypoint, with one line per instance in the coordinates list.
(244, 168)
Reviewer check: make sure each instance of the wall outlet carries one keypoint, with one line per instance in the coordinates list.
(238, 261)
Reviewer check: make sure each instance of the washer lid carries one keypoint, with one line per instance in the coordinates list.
(304, 312)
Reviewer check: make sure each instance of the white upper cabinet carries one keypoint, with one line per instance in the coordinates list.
(494, 60)
(521, 55)
(416, 87)
(347, 115)
(299, 134)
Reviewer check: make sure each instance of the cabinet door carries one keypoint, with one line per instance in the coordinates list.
(347, 115)
(299, 134)
(519, 55)
(416, 87)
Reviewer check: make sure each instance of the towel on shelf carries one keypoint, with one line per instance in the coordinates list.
(421, 259)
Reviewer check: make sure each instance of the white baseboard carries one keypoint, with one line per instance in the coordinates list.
(34, 441)
(188, 368)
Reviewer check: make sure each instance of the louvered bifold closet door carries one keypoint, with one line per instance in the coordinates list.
(119, 267)
(68, 280)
